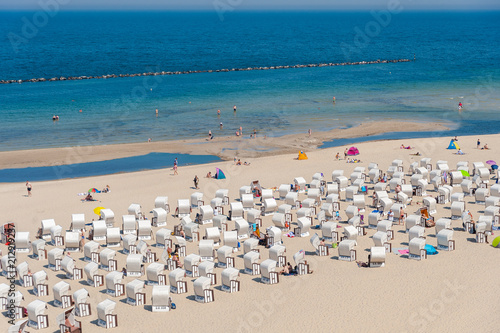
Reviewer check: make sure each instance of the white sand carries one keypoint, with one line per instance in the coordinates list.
(453, 291)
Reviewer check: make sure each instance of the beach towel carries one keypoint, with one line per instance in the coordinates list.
(431, 250)
(404, 251)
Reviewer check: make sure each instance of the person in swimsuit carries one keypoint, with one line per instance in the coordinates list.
(28, 187)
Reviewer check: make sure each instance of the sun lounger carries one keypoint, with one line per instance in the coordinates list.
(56, 235)
(202, 291)
(377, 256)
(60, 290)
(242, 228)
(183, 208)
(108, 217)
(176, 280)
(191, 263)
(160, 299)
(225, 257)
(135, 293)
(386, 226)
(99, 230)
(91, 272)
(196, 200)
(113, 237)
(278, 254)
(268, 206)
(135, 209)
(163, 238)
(159, 217)
(114, 286)
(283, 190)
(162, 202)
(135, 267)
(144, 230)
(220, 221)
(40, 287)
(417, 249)
(247, 201)
(321, 250)
(106, 256)
(229, 277)
(273, 236)
(268, 272)
(236, 210)
(155, 274)
(206, 249)
(304, 224)
(350, 233)
(346, 250)
(77, 222)
(37, 318)
(430, 204)
(352, 211)
(129, 224)
(231, 239)
(445, 240)
(481, 195)
(55, 256)
(329, 231)
(105, 316)
(22, 241)
(250, 260)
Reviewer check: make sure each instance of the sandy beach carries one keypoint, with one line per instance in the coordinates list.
(225, 147)
(449, 292)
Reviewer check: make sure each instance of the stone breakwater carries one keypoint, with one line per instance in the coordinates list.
(109, 76)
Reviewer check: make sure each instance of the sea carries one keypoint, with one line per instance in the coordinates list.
(456, 59)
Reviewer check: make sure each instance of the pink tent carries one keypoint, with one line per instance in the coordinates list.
(353, 151)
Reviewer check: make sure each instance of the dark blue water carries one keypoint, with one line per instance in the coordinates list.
(457, 61)
(150, 161)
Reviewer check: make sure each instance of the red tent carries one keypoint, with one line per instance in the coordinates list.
(353, 151)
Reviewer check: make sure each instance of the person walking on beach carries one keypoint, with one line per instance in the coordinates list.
(175, 166)
(28, 187)
(310, 132)
(196, 180)
(478, 143)
(345, 154)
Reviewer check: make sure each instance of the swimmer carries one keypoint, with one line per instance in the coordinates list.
(220, 125)
(157, 112)
(80, 110)
(218, 112)
(334, 99)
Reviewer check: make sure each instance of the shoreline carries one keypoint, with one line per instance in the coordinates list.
(224, 147)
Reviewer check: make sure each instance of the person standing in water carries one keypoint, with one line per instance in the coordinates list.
(220, 125)
(218, 113)
(333, 99)
(234, 108)
(157, 113)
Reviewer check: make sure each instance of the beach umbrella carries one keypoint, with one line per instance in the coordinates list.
(94, 190)
(97, 210)
(491, 162)
(496, 242)
(465, 173)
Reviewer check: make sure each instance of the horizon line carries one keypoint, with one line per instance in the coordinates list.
(256, 10)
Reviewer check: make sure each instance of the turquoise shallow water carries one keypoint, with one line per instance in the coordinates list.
(457, 60)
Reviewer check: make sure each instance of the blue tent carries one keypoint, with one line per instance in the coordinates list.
(453, 145)
(219, 174)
